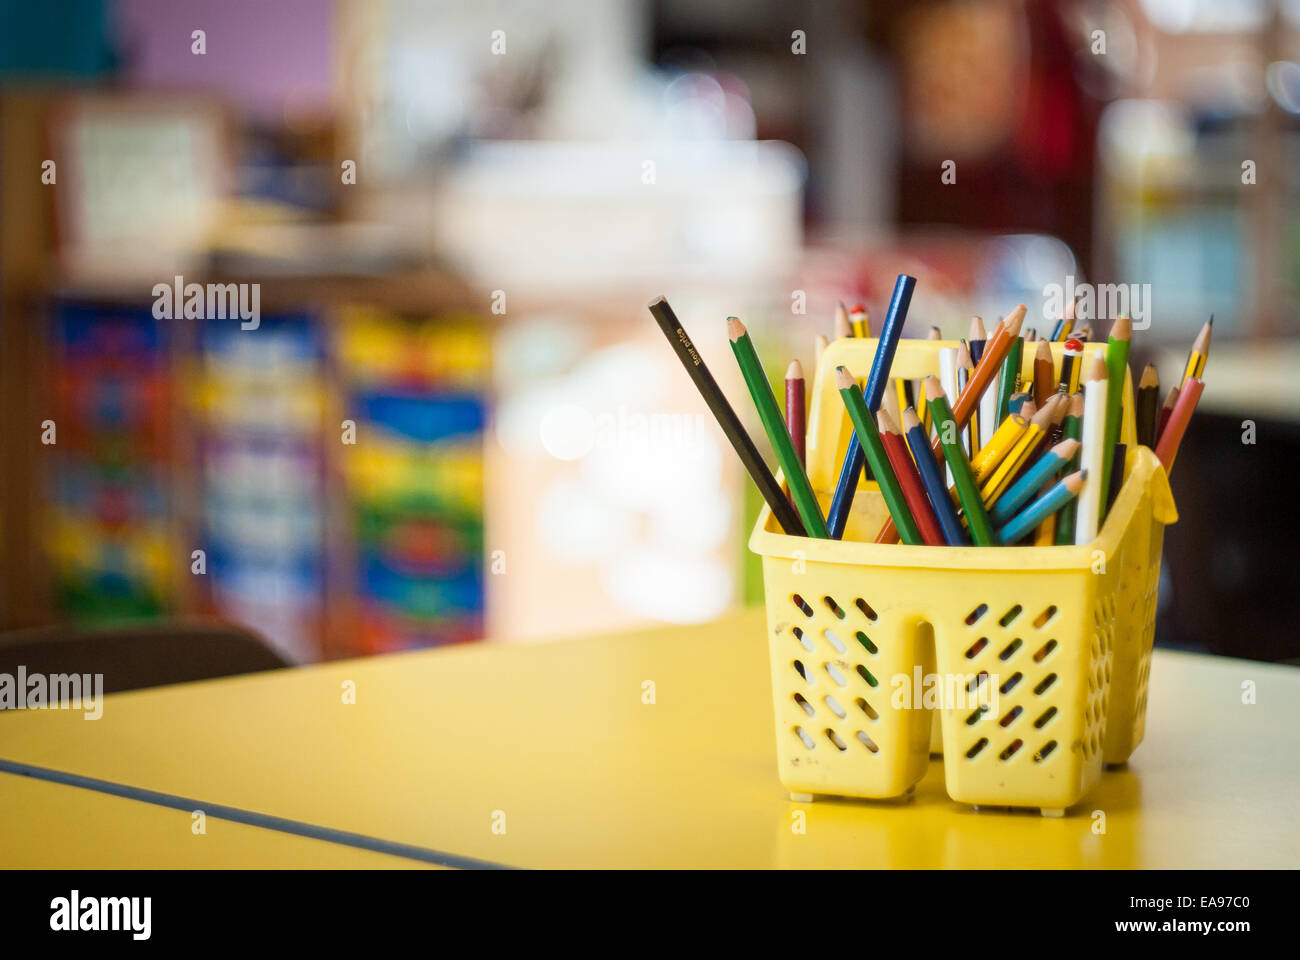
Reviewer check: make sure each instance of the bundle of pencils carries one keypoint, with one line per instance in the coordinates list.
(980, 454)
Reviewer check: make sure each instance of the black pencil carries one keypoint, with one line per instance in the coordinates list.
(1148, 406)
(726, 416)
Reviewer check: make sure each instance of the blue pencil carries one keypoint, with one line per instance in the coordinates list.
(1043, 469)
(953, 532)
(877, 380)
(1024, 522)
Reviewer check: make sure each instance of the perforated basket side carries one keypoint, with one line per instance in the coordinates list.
(832, 655)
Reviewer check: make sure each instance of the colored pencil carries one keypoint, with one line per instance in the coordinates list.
(1044, 380)
(795, 410)
(1071, 430)
(918, 442)
(1083, 334)
(1031, 336)
(1171, 400)
(977, 518)
(1032, 480)
(995, 351)
(873, 447)
(819, 346)
(1002, 442)
(1019, 455)
(1117, 350)
(1057, 327)
(859, 321)
(964, 369)
(1022, 404)
(722, 411)
(909, 479)
(1041, 509)
(1200, 353)
(877, 380)
(1148, 405)
(918, 386)
(1009, 382)
(1172, 436)
(842, 326)
(760, 389)
(977, 338)
(1087, 518)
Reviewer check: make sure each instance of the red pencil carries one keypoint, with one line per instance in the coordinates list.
(794, 409)
(910, 480)
(1172, 436)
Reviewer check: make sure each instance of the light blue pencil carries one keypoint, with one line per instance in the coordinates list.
(1024, 522)
(1032, 480)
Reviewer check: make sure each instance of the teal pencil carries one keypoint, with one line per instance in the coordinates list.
(1032, 480)
(1023, 524)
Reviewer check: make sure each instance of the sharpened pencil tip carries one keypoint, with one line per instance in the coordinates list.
(794, 371)
(843, 379)
(735, 329)
(933, 388)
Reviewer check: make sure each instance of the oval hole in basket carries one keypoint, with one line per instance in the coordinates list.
(1045, 684)
(1045, 718)
(834, 738)
(866, 675)
(867, 742)
(1009, 650)
(803, 704)
(833, 672)
(1010, 718)
(801, 670)
(974, 718)
(1044, 751)
(1040, 621)
(974, 615)
(1010, 683)
(867, 708)
(802, 638)
(805, 738)
(835, 706)
(834, 607)
(973, 684)
(1011, 749)
(977, 648)
(866, 643)
(835, 640)
(866, 609)
(1011, 615)
(1044, 651)
(976, 747)
(802, 604)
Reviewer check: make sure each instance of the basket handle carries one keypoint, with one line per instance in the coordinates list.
(1163, 508)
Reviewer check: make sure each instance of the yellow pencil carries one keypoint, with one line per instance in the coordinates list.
(1200, 353)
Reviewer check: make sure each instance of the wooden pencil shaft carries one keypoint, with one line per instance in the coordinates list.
(722, 411)
(760, 389)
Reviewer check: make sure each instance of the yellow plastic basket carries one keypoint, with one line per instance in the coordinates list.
(1036, 658)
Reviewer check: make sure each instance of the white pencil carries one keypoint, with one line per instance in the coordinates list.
(1088, 512)
(989, 409)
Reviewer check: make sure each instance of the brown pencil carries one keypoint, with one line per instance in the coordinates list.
(1044, 378)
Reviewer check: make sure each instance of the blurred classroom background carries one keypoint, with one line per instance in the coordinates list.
(455, 420)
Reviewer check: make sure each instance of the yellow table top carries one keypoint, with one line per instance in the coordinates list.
(48, 826)
(553, 742)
